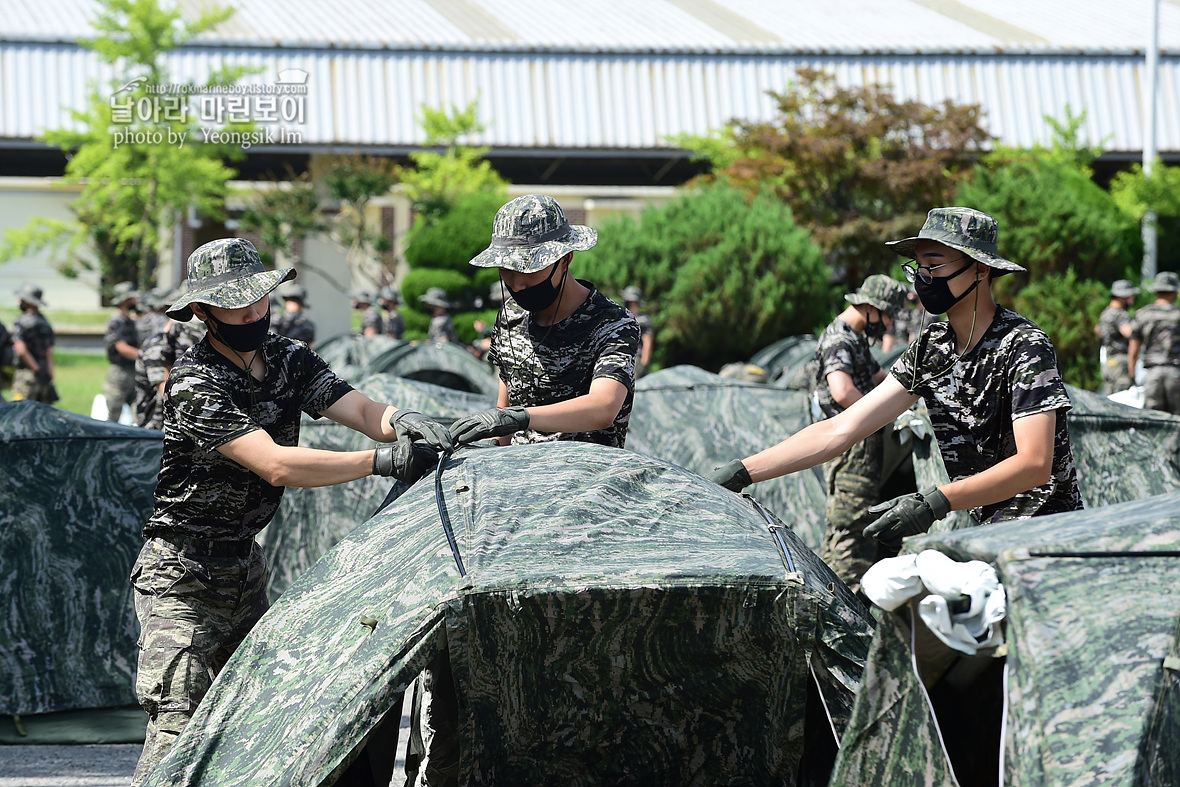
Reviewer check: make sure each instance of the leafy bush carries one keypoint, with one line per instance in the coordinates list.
(453, 239)
(1066, 307)
(721, 276)
(416, 282)
(465, 323)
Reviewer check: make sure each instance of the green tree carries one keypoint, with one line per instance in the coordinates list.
(1066, 306)
(451, 240)
(353, 182)
(856, 165)
(283, 217)
(722, 275)
(134, 172)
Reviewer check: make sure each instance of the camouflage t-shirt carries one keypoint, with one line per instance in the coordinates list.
(149, 324)
(1157, 326)
(371, 318)
(156, 358)
(543, 364)
(34, 330)
(1109, 322)
(395, 324)
(1011, 373)
(207, 403)
(120, 328)
(841, 349)
(294, 325)
(442, 329)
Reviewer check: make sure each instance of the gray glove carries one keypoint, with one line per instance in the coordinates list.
(404, 460)
(908, 515)
(733, 476)
(489, 423)
(416, 426)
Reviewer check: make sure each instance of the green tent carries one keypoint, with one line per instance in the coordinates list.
(620, 620)
(74, 494)
(349, 355)
(444, 364)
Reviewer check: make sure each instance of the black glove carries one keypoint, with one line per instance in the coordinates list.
(489, 423)
(41, 376)
(733, 476)
(416, 426)
(907, 515)
(405, 460)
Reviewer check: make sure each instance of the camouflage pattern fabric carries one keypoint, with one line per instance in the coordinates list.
(1157, 327)
(349, 356)
(969, 231)
(227, 273)
(1161, 389)
(395, 324)
(1110, 323)
(1011, 372)
(788, 362)
(294, 325)
(442, 329)
(207, 403)
(1115, 374)
(193, 612)
(74, 493)
(530, 233)
(371, 320)
(841, 349)
(156, 358)
(120, 328)
(543, 364)
(26, 385)
(149, 324)
(35, 331)
(448, 365)
(118, 389)
(310, 521)
(1090, 669)
(655, 633)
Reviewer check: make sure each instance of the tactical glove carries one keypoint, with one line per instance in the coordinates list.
(907, 515)
(416, 426)
(404, 460)
(489, 423)
(41, 376)
(733, 476)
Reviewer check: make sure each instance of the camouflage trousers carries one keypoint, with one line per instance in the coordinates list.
(194, 610)
(1115, 375)
(854, 480)
(25, 386)
(119, 390)
(1161, 389)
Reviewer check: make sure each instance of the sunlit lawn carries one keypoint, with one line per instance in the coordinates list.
(79, 377)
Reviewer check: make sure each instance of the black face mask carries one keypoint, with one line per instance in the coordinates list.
(875, 330)
(539, 296)
(936, 296)
(243, 338)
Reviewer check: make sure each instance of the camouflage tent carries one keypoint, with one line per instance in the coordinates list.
(74, 494)
(1088, 692)
(786, 361)
(444, 364)
(621, 620)
(350, 355)
(310, 521)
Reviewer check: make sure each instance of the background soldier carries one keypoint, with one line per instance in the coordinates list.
(122, 344)
(32, 344)
(293, 323)
(846, 371)
(371, 322)
(1114, 329)
(442, 328)
(156, 358)
(633, 300)
(395, 324)
(153, 320)
(1156, 332)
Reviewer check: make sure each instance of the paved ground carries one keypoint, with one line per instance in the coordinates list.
(109, 766)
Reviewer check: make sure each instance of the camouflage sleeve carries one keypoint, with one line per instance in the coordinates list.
(206, 412)
(371, 319)
(618, 346)
(320, 385)
(494, 347)
(113, 334)
(835, 356)
(1035, 380)
(157, 356)
(1137, 329)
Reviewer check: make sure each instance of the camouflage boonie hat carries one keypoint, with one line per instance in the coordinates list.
(633, 294)
(530, 234)
(388, 294)
(1166, 282)
(1123, 288)
(123, 291)
(963, 229)
(293, 292)
(31, 294)
(879, 290)
(435, 296)
(363, 295)
(228, 274)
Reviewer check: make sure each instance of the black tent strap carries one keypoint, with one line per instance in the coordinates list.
(442, 514)
(1170, 553)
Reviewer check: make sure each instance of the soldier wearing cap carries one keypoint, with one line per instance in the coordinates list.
(442, 327)
(32, 344)
(122, 346)
(1155, 335)
(293, 323)
(1114, 329)
(633, 300)
(845, 371)
(232, 408)
(395, 324)
(990, 381)
(152, 320)
(371, 323)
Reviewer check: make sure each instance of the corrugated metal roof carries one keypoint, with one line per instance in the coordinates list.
(652, 25)
(570, 101)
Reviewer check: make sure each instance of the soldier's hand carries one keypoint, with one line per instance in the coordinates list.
(733, 476)
(404, 460)
(908, 515)
(41, 376)
(489, 423)
(416, 426)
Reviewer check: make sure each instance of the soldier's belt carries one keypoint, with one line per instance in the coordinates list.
(204, 547)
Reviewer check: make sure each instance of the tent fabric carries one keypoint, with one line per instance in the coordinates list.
(444, 364)
(349, 356)
(786, 361)
(74, 727)
(74, 494)
(620, 619)
(1093, 617)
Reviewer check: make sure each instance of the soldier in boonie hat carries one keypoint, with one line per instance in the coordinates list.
(365, 300)
(442, 327)
(395, 324)
(293, 322)
(1155, 335)
(228, 274)
(985, 374)
(32, 346)
(122, 346)
(1114, 330)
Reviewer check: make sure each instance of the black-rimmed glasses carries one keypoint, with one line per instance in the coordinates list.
(925, 273)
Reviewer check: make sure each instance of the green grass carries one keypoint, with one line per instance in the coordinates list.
(78, 377)
(89, 320)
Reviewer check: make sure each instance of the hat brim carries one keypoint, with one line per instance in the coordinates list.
(431, 302)
(907, 247)
(856, 299)
(29, 299)
(530, 259)
(234, 294)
